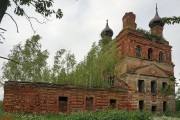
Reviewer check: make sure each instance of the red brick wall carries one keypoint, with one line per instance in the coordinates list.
(44, 98)
(129, 39)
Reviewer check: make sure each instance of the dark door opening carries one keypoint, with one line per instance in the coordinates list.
(153, 109)
(63, 104)
(141, 105)
(112, 103)
(164, 106)
(89, 103)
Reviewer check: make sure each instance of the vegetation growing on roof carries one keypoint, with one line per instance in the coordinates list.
(150, 36)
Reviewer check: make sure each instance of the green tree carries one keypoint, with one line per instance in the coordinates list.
(171, 20)
(43, 7)
(64, 65)
(93, 71)
(178, 99)
(178, 93)
(32, 62)
(97, 65)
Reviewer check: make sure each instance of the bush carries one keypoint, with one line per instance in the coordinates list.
(177, 105)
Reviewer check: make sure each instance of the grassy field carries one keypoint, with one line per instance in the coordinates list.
(96, 115)
(103, 115)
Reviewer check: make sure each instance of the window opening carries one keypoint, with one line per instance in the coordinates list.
(153, 87)
(89, 103)
(164, 85)
(161, 57)
(153, 109)
(111, 80)
(141, 85)
(112, 103)
(63, 104)
(150, 51)
(141, 105)
(138, 51)
(164, 106)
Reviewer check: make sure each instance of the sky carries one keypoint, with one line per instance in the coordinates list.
(83, 22)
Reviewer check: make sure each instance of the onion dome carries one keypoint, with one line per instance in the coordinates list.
(107, 31)
(156, 20)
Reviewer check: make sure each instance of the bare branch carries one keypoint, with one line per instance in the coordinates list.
(1, 83)
(2, 37)
(3, 29)
(14, 21)
(37, 20)
(9, 59)
(27, 17)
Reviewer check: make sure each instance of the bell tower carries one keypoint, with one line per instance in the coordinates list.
(145, 64)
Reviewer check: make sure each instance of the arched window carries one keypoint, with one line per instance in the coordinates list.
(138, 51)
(161, 57)
(150, 51)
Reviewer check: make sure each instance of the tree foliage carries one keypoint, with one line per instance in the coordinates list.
(64, 65)
(99, 63)
(171, 20)
(178, 99)
(31, 59)
(178, 94)
(93, 71)
(43, 7)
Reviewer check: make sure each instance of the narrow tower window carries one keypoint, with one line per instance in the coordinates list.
(138, 51)
(161, 57)
(141, 85)
(150, 51)
(153, 87)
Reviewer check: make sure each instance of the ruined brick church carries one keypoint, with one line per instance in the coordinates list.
(144, 71)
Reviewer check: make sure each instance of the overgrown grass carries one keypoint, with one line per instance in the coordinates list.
(96, 115)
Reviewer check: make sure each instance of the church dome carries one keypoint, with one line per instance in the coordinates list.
(156, 20)
(107, 31)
